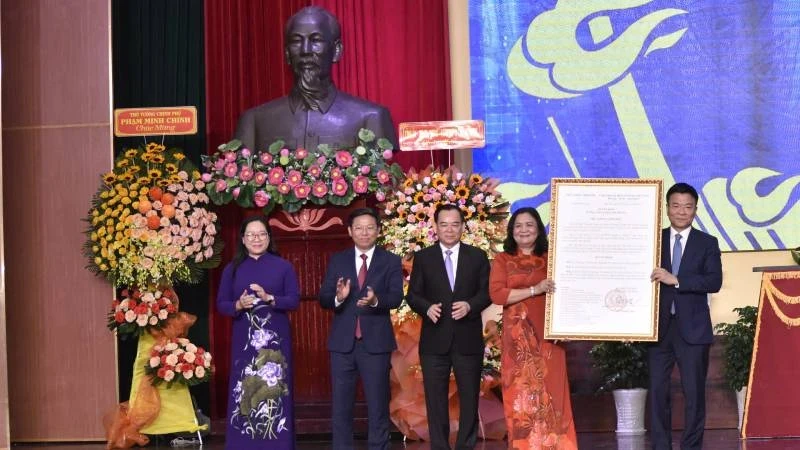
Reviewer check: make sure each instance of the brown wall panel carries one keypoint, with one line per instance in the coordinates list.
(56, 141)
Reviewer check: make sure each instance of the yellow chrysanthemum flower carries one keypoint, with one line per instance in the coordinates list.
(467, 213)
(462, 192)
(475, 179)
(127, 177)
(174, 179)
(131, 153)
(418, 197)
(134, 169)
(154, 174)
(123, 163)
(420, 215)
(146, 157)
(158, 159)
(408, 183)
(179, 156)
(153, 147)
(171, 168)
(195, 174)
(109, 178)
(163, 183)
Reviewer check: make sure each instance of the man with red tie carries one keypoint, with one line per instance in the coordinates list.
(361, 285)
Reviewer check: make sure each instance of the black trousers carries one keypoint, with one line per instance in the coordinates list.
(692, 360)
(436, 381)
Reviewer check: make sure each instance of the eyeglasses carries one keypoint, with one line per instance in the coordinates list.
(256, 236)
(369, 229)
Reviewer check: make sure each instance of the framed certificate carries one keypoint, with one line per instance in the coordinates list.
(605, 240)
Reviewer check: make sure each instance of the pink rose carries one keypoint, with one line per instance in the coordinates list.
(383, 177)
(336, 172)
(246, 174)
(206, 177)
(360, 184)
(302, 190)
(284, 188)
(219, 164)
(321, 160)
(275, 176)
(265, 158)
(261, 199)
(294, 178)
(245, 152)
(344, 158)
(284, 152)
(319, 189)
(231, 169)
(380, 196)
(236, 191)
(339, 186)
(260, 178)
(300, 153)
(229, 156)
(365, 170)
(314, 171)
(220, 185)
(387, 154)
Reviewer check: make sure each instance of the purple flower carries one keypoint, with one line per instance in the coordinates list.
(271, 373)
(284, 152)
(387, 154)
(245, 152)
(261, 338)
(365, 170)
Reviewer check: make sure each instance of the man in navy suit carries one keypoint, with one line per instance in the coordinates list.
(691, 269)
(449, 288)
(361, 285)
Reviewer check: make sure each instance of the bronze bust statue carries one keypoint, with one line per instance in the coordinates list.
(314, 112)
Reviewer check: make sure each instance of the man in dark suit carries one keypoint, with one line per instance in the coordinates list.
(691, 269)
(361, 285)
(449, 288)
(315, 112)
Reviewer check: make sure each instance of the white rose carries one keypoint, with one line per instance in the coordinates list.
(188, 374)
(123, 304)
(169, 375)
(191, 348)
(162, 314)
(199, 371)
(148, 297)
(153, 320)
(172, 360)
(141, 320)
(130, 316)
(183, 341)
(155, 361)
(171, 346)
(207, 363)
(189, 357)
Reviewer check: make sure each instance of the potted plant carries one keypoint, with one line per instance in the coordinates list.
(623, 369)
(738, 351)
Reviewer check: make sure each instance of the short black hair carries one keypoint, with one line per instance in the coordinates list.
(540, 246)
(683, 188)
(447, 207)
(332, 21)
(363, 212)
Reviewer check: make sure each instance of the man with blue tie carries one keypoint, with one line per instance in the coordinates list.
(362, 284)
(691, 269)
(449, 288)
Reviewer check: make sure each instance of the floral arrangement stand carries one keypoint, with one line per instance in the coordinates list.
(408, 226)
(149, 228)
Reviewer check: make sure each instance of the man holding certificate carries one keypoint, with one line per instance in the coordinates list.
(691, 269)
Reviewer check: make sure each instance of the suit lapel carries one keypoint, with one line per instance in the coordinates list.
(462, 266)
(689, 247)
(666, 255)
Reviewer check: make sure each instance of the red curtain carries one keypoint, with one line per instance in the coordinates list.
(396, 53)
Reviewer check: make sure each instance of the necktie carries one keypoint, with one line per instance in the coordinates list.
(677, 253)
(448, 264)
(362, 279)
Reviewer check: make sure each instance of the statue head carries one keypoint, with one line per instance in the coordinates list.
(313, 45)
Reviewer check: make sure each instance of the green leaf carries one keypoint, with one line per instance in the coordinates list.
(366, 135)
(231, 145)
(385, 144)
(276, 147)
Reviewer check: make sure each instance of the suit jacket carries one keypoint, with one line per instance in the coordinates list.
(429, 285)
(385, 277)
(337, 126)
(700, 274)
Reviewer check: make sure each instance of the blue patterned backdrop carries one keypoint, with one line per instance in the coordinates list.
(705, 92)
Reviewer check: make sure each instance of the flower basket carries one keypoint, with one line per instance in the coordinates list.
(139, 310)
(178, 361)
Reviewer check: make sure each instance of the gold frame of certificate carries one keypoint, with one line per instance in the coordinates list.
(605, 241)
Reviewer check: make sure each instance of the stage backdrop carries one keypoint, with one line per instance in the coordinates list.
(699, 91)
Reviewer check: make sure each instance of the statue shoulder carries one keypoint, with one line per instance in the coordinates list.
(345, 99)
(275, 106)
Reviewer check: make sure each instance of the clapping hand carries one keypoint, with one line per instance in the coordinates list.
(369, 300)
(342, 289)
(262, 294)
(246, 301)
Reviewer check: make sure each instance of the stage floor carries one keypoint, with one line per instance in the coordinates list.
(714, 440)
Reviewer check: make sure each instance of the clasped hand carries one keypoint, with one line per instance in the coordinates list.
(460, 310)
(663, 276)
